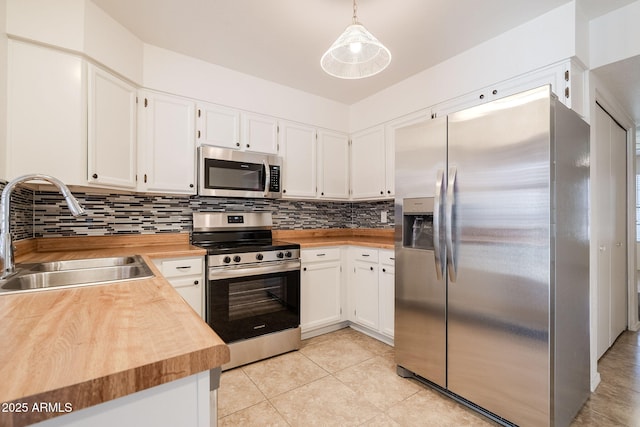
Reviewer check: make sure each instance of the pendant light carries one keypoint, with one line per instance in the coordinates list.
(356, 54)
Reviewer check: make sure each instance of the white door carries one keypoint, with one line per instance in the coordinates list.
(368, 164)
(112, 130)
(320, 295)
(365, 282)
(333, 165)
(298, 149)
(168, 147)
(259, 133)
(610, 211)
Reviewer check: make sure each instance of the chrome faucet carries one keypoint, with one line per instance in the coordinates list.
(6, 242)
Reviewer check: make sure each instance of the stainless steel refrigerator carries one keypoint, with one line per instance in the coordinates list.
(492, 258)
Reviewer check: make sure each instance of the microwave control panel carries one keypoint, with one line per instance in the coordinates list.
(274, 185)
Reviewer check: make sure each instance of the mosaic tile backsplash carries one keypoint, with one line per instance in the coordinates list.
(109, 214)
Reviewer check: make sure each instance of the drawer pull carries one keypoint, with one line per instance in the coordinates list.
(321, 254)
(195, 282)
(392, 258)
(365, 254)
(185, 267)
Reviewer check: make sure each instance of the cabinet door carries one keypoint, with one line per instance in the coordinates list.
(259, 133)
(218, 125)
(112, 130)
(45, 87)
(387, 298)
(191, 289)
(167, 144)
(368, 164)
(320, 295)
(298, 149)
(333, 165)
(365, 287)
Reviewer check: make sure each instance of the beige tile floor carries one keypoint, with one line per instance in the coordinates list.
(346, 378)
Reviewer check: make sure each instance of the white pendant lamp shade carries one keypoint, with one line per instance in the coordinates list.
(355, 54)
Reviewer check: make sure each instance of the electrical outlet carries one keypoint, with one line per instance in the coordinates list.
(383, 217)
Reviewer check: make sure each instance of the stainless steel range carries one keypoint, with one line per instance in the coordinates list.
(252, 291)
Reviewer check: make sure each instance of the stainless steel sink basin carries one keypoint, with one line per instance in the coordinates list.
(82, 272)
(76, 264)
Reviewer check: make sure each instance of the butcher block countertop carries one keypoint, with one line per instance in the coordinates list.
(371, 237)
(88, 345)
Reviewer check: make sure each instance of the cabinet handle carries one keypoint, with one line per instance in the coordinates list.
(388, 191)
(322, 194)
(495, 92)
(371, 268)
(320, 254)
(94, 176)
(284, 191)
(481, 96)
(365, 255)
(145, 178)
(248, 146)
(381, 192)
(186, 267)
(190, 185)
(195, 282)
(384, 270)
(237, 144)
(304, 269)
(392, 258)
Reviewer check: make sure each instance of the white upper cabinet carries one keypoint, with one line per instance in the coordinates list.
(298, 150)
(368, 164)
(230, 128)
(566, 79)
(111, 130)
(259, 133)
(46, 114)
(218, 125)
(167, 149)
(333, 165)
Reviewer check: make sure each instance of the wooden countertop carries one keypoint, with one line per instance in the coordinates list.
(371, 237)
(89, 345)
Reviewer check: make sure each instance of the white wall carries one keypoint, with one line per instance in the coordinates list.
(79, 26)
(3, 86)
(175, 73)
(537, 43)
(615, 36)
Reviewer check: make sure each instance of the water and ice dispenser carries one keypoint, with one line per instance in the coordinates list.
(417, 225)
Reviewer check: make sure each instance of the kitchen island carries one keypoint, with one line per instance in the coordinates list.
(63, 350)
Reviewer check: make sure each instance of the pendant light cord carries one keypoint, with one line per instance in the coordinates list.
(355, 12)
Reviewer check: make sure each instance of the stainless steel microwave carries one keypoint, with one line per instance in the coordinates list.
(229, 173)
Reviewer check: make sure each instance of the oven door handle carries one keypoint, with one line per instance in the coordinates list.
(228, 272)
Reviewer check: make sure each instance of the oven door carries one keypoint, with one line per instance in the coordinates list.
(250, 300)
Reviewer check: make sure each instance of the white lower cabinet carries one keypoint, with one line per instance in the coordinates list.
(321, 288)
(363, 284)
(386, 291)
(187, 277)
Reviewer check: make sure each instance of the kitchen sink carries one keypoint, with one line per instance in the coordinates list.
(69, 273)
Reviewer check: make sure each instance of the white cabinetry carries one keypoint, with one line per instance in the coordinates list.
(298, 150)
(364, 287)
(371, 291)
(321, 288)
(368, 164)
(221, 126)
(46, 119)
(187, 277)
(259, 133)
(387, 291)
(218, 125)
(167, 144)
(333, 165)
(111, 130)
(566, 79)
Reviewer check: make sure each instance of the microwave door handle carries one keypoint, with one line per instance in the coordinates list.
(267, 177)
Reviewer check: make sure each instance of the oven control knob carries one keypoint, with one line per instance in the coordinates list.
(236, 258)
(226, 260)
(280, 255)
(287, 254)
(259, 257)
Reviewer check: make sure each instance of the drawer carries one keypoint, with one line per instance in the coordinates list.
(364, 254)
(320, 254)
(387, 257)
(180, 267)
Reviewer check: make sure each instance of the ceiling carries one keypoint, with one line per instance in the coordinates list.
(283, 40)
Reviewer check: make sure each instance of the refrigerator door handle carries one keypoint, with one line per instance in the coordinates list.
(452, 268)
(437, 207)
